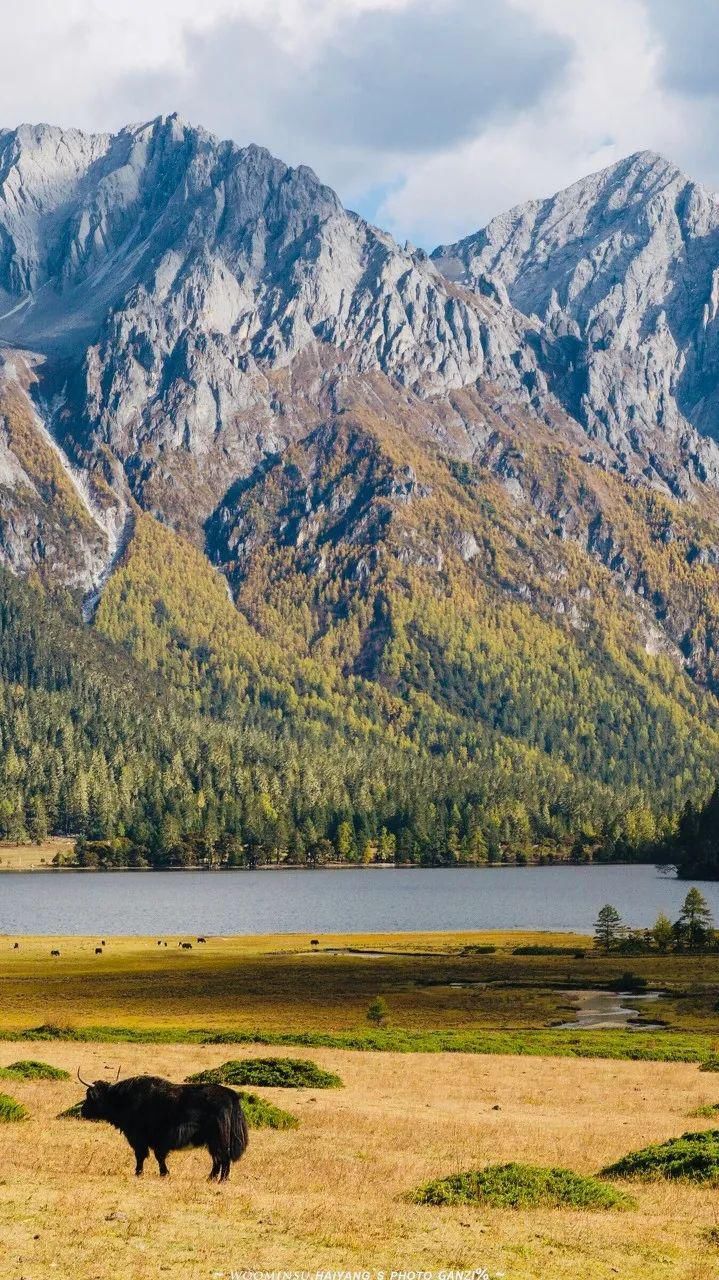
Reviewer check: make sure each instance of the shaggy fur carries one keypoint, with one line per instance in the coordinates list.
(156, 1115)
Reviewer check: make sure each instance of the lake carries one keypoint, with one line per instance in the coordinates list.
(359, 900)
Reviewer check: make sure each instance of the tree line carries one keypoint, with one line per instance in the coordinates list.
(693, 931)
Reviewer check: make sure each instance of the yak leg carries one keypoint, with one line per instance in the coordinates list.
(217, 1160)
(141, 1154)
(161, 1157)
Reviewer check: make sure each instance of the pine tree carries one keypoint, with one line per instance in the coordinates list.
(607, 927)
(695, 922)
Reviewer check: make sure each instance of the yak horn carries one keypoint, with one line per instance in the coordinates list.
(85, 1082)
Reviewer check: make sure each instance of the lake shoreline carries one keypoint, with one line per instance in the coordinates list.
(329, 866)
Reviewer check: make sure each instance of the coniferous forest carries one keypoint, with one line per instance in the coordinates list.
(180, 730)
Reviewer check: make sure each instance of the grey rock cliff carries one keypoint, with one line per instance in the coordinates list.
(622, 270)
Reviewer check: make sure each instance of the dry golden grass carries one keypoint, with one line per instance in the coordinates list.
(329, 1194)
(33, 857)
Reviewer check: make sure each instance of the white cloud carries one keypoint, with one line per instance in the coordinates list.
(431, 114)
(610, 101)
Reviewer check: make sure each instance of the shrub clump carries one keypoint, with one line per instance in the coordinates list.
(628, 981)
(10, 1110)
(542, 949)
(694, 1156)
(711, 1063)
(261, 1114)
(72, 1113)
(278, 1073)
(522, 1186)
(29, 1069)
(50, 1031)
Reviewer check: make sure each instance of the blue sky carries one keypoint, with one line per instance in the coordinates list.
(428, 116)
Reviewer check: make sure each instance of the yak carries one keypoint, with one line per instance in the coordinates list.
(156, 1115)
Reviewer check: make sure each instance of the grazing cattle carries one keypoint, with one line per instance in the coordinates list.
(156, 1115)
(16, 946)
(98, 951)
(102, 942)
(186, 946)
(202, 939)
(54, 953)
(159, 942)
(314, 942)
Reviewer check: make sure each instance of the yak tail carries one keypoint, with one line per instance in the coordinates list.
(239, 1136)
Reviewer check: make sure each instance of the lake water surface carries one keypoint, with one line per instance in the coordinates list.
(353, 901)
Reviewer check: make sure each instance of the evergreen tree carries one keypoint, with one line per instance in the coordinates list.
(695, 923)
(607, 927)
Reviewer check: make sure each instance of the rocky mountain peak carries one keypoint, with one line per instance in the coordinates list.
(622, 268)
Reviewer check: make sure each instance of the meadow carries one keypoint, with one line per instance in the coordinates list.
(332, 1192)
(34, 857)
(435, 985)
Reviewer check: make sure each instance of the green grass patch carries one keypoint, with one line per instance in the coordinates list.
(693, 1157)
(278, 1073)
(633, 1046)
(261, 1114)
(522, 1186)
(10, 1110)
(710, 1063)
(30, 1069)
(706, 1112)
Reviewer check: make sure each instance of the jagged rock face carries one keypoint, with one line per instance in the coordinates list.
(164, 273)
(51, 521)
(622, 269)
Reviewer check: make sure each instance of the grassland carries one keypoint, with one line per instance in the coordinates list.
(331, 1193)
(440, 991)
(33, 857)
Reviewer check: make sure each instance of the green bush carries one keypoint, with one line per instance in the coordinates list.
(378, 1012)
(628, 981)
(261, 1114)
(72, 1113)
(707, 1111)
(522, 1186)
(29, 1069)
(278, 1073)
(51, 1031)
(541, 950)
(10, 1110)
(711, 1064)
(694, 1156)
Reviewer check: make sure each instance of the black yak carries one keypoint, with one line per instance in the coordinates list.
(156, 1115)
(98, 951)
(54, 953)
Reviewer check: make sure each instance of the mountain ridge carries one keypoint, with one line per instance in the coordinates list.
(333, 501)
